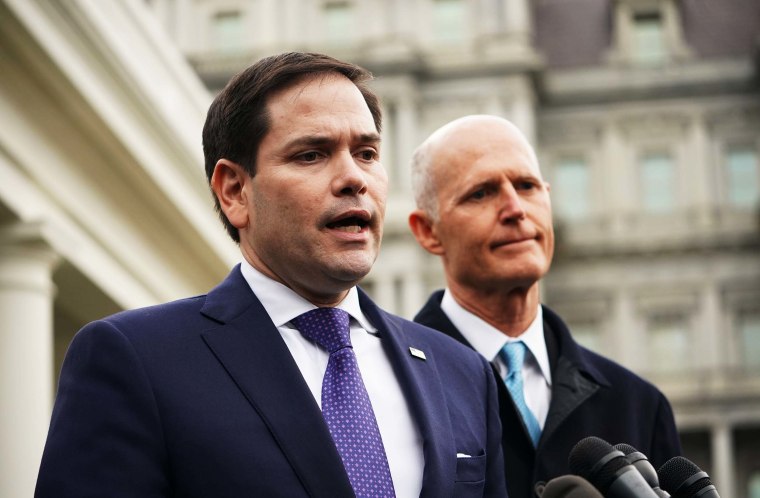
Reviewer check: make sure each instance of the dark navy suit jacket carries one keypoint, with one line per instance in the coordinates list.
(591, 396)
(201, 398)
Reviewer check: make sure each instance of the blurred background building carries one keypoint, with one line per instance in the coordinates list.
(645, 115)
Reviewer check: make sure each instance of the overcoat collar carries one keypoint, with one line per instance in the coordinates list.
(575, 378)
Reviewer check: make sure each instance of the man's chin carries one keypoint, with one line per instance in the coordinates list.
(350, 269)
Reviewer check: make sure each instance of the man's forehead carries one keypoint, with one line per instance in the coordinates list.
(309, 83)
(473, 153)
(317, 109)
(313, 98)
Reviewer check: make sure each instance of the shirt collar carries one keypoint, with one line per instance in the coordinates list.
(282, 304)
(488, 340)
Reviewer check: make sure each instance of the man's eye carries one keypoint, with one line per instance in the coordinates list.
(526, 185)
(308, 157)
(478, 194)
(368, 155)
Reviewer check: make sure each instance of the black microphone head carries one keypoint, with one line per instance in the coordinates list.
(641, 462)
(570, 486)
(682, 478)
(627, 449)
(597, 461)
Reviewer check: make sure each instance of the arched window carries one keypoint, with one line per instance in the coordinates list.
(753, 485)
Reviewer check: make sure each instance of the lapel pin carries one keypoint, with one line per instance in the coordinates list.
(417, 353)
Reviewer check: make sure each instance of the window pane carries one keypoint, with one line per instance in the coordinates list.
(743, 190)
(587, 335)
(648, 41)
(749, 330)
(449, 20)
(668, 345)
(754, 485)
(227, 31)
(571, 189)
(657, 183)
(338, 22)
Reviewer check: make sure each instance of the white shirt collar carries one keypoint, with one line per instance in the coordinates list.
(488, 340)
(282, 304)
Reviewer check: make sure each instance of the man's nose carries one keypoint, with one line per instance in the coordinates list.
(350, 178)
(511, 205)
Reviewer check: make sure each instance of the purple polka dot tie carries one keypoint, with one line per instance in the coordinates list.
(346, 406)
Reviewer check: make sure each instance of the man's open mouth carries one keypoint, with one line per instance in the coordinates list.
(352, 224)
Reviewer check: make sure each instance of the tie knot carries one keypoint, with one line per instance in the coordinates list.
(328, 327)
(513, 354)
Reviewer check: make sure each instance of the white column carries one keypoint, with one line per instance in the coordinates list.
(702, 177)
(711, 345)
(385, 292)
(518, 20)
(617, 176)
(413, 291)
(264, 16)
(523, 112)
(406, 140)
(26, 355)
(723, 458)
(626, 337)
(622, 33)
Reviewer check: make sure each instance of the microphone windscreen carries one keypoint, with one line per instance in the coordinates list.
(585, 457)
(675, 472)
(642, 464)
(627, 449)
(570, 486)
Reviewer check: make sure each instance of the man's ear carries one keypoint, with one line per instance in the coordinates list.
(425, 233)
(228, 183)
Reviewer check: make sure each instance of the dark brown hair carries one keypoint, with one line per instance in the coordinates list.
(237, 120)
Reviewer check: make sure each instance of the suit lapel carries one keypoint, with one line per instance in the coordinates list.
(252, 351)
(421, 385)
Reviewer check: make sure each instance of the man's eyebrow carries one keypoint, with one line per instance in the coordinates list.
(316, 140)
(308, 140)
(489, 183)
(369, 138)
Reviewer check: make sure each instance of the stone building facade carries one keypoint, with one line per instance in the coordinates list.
(646, 118)
(645, 115)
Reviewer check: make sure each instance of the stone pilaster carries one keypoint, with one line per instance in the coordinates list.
(26, 354)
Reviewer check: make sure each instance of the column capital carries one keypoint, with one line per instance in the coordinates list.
(27, 260)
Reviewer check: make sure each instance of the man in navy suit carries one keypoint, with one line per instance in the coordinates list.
(221, 395)
(483, 207)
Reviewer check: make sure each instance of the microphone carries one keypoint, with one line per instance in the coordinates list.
(570, 486)
(683, 479)
(645, 468)
(607, 468)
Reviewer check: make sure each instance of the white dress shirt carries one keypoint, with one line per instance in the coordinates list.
(401, 437)
(488, 341)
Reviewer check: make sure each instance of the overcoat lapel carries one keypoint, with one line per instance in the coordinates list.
(575, 381)
(250, 348)
(421, 385)
(570, 390)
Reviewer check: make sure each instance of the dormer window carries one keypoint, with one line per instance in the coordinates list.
(647, 33)
(648, 43)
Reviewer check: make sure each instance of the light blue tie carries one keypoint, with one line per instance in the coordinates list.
(513, 354)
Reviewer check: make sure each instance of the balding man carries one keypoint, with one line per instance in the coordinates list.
(483, 207)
